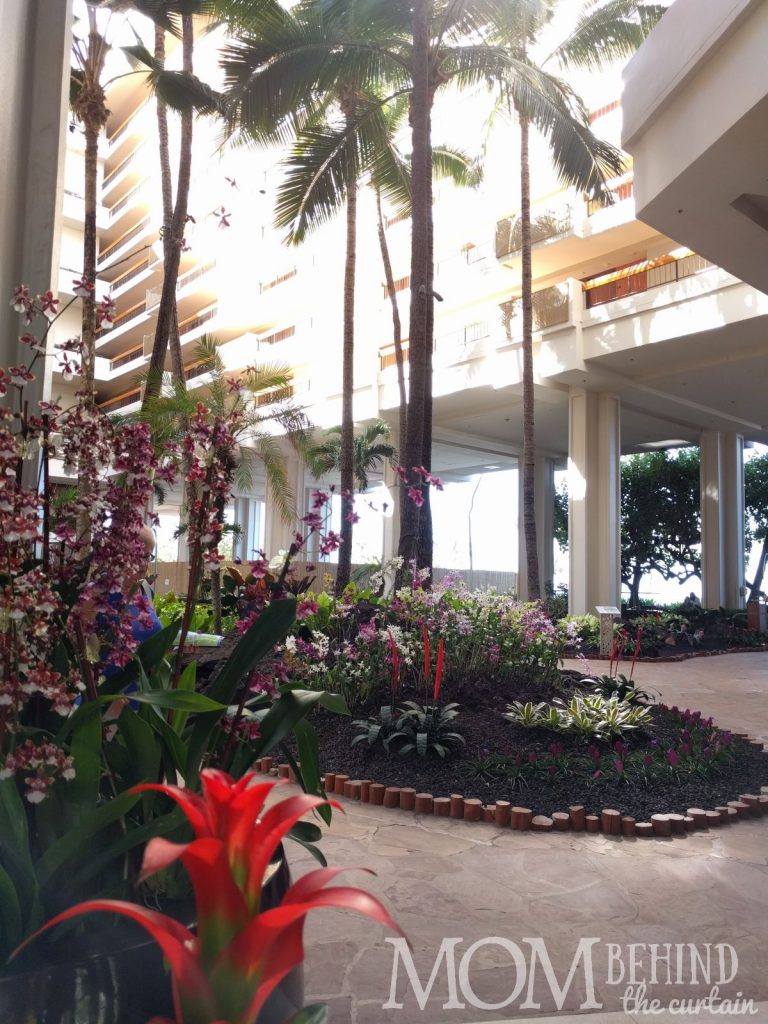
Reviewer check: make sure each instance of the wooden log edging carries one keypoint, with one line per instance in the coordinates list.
(501, 815)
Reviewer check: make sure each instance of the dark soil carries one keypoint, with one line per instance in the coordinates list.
(486, 731)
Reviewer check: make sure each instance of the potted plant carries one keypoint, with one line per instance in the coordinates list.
(86, 712)
(229, 966)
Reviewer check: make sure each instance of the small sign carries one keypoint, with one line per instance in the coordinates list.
(606, 610)
(607, 615)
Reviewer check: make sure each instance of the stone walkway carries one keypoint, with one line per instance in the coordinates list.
(446, 879)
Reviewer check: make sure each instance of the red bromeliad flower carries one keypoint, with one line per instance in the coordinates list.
(638, 641)
(227, 969)
(439, 669)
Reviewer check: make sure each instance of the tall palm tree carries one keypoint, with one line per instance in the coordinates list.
(605, 31)
(371, 449)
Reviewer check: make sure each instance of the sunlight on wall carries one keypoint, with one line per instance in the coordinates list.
(475, 522)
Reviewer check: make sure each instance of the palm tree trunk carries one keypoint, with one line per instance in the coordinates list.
(347, 453)
(420, 282)
(397, 328)
(166, 187)
(757, 583)
(165, 312)
(529, 440)
(397, 331)
(426, 539)
(92, 110)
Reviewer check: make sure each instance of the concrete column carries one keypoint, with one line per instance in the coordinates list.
(722, 519)
(278, 534)
(594, 496)
(545, 537)
(34, 83)
(391, 539)
(242, 519)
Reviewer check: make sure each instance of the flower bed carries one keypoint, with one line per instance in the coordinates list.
(405, 664)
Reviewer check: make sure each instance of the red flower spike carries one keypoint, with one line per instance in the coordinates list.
(427, 656)
(439, 669)
(613, 652)
(395, 662)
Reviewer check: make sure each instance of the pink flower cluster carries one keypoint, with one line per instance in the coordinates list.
(40, 764)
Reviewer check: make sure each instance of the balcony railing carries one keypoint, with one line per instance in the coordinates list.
(134, 232)
(388, 357)
(122, 128)
(155, 294)
(623, 191)
(134, 271)
(277, 336)
(273, 397)
(121, 401)
(193, 322)
(400, 285)
(280, 279)
(126, 357)
(641, 277)
(545, 226)
(551, 307)
(108, 178)
(126, 317)
(125, 201)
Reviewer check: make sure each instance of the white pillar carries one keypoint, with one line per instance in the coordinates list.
(544, 503)
(34, 82)
(722, 519)
(594, 501)
(242, 519)
(278, 534)
(391, 538)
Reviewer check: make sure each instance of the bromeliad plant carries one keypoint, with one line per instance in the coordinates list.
(413, 727)
(590, 716)
(225, 971)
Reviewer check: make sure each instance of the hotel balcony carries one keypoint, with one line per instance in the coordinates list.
(112, 259)
(124, 136)
(73, 210)
(548, 225)
(124, 174)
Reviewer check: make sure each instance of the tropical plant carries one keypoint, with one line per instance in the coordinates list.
(619, 686)
(605, 31)
(72, 743)
(238, 953)
(371, 449)
(425, 728)
(254, 404)
(587, 715)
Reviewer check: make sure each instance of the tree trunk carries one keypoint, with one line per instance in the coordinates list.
(92, 110)
(529, 441)
(166, 188)
(634, 587)
(165, 312)
(757, 583)
(421, 298)
(347, 453)
(397, 334)
(425, 547)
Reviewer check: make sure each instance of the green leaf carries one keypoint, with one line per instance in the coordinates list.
(289, 709)
(11, 923)
(269, 629)
(309, 774)
(83, 791)
(15, 850)
(175, 700)
(71, 846)
(141, 743)
(317, 1013)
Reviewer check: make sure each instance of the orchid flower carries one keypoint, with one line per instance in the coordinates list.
(227, 970)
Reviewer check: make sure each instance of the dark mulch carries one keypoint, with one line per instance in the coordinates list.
(486, 731)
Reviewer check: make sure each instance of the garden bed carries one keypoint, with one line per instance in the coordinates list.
(489, 734)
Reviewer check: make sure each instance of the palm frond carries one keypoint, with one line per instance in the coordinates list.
(322, 166)
(608, 31)
(581, 159)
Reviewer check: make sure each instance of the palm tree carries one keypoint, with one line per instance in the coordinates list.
(88, 101)
(282, 76)
(606, 31)
(371, 449)
(256, 409)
